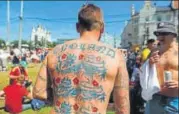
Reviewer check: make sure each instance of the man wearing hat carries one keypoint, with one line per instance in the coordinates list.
(166, 59)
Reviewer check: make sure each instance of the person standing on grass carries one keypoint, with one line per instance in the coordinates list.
(82, 73)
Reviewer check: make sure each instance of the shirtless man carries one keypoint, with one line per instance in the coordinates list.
(166, 59)
(83, 72)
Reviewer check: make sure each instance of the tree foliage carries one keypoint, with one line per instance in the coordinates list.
(2, 43)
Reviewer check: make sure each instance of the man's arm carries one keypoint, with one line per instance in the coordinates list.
(29, 96)
(40, 88)
(121, 88)
(2, 93)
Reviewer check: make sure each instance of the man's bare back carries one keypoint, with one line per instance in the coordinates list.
(168, 62)
(83, 77)
(83, 72)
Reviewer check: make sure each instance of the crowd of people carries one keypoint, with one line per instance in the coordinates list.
(20, 85)
(81, 75)
(15, 56)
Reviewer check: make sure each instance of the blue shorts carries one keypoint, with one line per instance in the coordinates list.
(161, 105)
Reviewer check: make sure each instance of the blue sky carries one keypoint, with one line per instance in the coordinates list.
(59, 17)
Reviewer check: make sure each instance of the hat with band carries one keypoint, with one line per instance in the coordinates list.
(165, 27)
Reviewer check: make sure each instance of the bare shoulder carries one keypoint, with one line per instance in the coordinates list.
(119, 56)
(175, 51)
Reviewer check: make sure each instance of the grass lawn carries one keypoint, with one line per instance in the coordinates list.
(32, 71)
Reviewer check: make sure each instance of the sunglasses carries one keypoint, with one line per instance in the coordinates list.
(163, 33)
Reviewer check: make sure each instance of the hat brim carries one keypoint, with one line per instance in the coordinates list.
(164, 30)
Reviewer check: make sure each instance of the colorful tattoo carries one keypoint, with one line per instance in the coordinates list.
(88, 110)
(91, 65)
(85, 91)
(80, 77)
(66, 108)
(63, 108)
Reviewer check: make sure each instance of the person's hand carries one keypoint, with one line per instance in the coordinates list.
(171, 84)
(154, 58)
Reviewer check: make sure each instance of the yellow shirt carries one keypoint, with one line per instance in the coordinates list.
(145, 54)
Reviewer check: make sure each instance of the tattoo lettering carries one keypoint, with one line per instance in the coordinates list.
(82, 47)
(73, 46)
(91, 47)
(64, 47)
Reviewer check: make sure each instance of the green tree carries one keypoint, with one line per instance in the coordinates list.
(2, 43)
(31, 46)
(51, 44)
(15, 43)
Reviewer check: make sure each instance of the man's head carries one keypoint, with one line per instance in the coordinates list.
(166, 33)
(90, 18)
(151, 44)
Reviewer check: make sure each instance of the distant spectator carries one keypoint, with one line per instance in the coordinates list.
(147, 50)
(15, 59)
(14, 94)
(18, 71)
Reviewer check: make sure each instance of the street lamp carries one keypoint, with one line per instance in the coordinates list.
(20, 26)
(146, 32)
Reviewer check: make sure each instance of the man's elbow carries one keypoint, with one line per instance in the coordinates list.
(42, 96)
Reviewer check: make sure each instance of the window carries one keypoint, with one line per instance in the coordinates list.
(159, 18)
(136, 21)
(135, 30)
(168, 17)
(147, 19)
(153, 18)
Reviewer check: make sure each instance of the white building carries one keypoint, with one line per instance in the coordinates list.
(110, 40)
(142, 24)
(40, 34)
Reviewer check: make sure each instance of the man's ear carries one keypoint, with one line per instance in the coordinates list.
(77, 27)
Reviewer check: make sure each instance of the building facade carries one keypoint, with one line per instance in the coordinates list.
(40, 34)
(142, 24)
(113, 41)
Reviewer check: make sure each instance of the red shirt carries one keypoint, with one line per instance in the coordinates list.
(13, 97)
(16, 72)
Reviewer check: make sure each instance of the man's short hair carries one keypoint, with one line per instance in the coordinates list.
(90, 17)
(150, 41)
